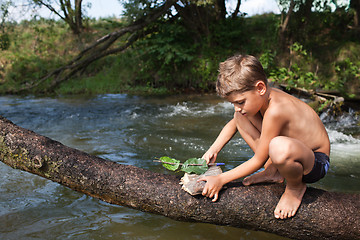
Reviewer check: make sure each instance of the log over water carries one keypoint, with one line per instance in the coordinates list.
(322, 214)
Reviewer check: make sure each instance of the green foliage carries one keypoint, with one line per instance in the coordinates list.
(171, 167)
(324, 54)
(224, 34)
(298, 49)
(188, 166)
(321, 31)
(164, 56)
(174, 58)
(348, 75)
(4, 41)
(324, 105)
(295, 77)
(203, 72)
(4, 13)
(136, 9)
(33, 51)
(298, 74)
(260, 33)
(267, 60)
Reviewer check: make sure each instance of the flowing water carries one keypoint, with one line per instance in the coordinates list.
(134, 130)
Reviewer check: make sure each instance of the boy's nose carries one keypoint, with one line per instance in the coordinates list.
(237, 108)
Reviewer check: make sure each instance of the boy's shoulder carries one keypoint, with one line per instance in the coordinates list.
(277, 102)
(284, 100)
(283, 106)
(289, 108)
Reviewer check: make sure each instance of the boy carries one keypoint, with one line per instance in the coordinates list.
(287, 136)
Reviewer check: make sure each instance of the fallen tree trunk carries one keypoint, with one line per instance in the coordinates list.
(322, 215)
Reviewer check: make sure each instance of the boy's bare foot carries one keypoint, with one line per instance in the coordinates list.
(290, 201)
(268, 175)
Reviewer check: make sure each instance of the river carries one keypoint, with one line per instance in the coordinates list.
(134, 130)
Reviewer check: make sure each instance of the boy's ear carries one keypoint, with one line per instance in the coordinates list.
(260, 87)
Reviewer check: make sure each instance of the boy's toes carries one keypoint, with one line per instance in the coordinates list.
(282, 214)
(246, 181)
(277, 214)
(292, 213)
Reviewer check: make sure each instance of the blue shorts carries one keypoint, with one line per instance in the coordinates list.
(321, 166)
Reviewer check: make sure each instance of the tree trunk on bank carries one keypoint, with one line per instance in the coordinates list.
(284, 25)
(322, 215)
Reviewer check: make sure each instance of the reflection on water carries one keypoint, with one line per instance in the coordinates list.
(134, 130)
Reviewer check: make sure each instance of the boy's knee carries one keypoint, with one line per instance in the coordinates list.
(239, 117)
(279, 149)
(240, 120)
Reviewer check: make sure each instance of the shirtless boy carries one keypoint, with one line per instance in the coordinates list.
(286, 135)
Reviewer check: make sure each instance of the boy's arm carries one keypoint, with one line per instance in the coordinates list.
(224, 137)
(272, 124)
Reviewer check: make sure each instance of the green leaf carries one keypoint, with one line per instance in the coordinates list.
(171, 167)
(195, 169)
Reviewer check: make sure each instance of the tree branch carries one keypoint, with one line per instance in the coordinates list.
(99, 49)
(322, 215)
(237, 9)
(48, 6)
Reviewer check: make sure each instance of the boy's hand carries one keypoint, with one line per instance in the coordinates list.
(212, 187)
(210, 156)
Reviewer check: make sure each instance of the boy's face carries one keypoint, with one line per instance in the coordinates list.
(250, 102)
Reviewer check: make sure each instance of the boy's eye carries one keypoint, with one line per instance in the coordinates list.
(238, 103)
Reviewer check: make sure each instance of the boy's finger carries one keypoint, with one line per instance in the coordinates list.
(201, 179)
(205, 191)
(215, 197)
(211, 195)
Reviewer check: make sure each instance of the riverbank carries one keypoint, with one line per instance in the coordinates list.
(169, 62)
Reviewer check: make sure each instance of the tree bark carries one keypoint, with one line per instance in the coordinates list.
(220, 9)
(322, 215)
(355, 4)
(196, 18)
(237, 9)
(73, 17)
(284, 25)
(78, 14)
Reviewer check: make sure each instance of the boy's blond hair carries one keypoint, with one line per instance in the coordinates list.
(239, 73)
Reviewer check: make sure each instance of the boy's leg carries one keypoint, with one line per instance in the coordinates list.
(250, 130)
(293, 159)
(269, 175)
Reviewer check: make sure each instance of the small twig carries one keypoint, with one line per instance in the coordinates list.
(191, 164)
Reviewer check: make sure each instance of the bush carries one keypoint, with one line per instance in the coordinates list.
(4, 41)
(348, 77)
(164, 57)
(299, 74)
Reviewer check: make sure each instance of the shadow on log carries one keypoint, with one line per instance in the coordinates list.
(322, 215)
